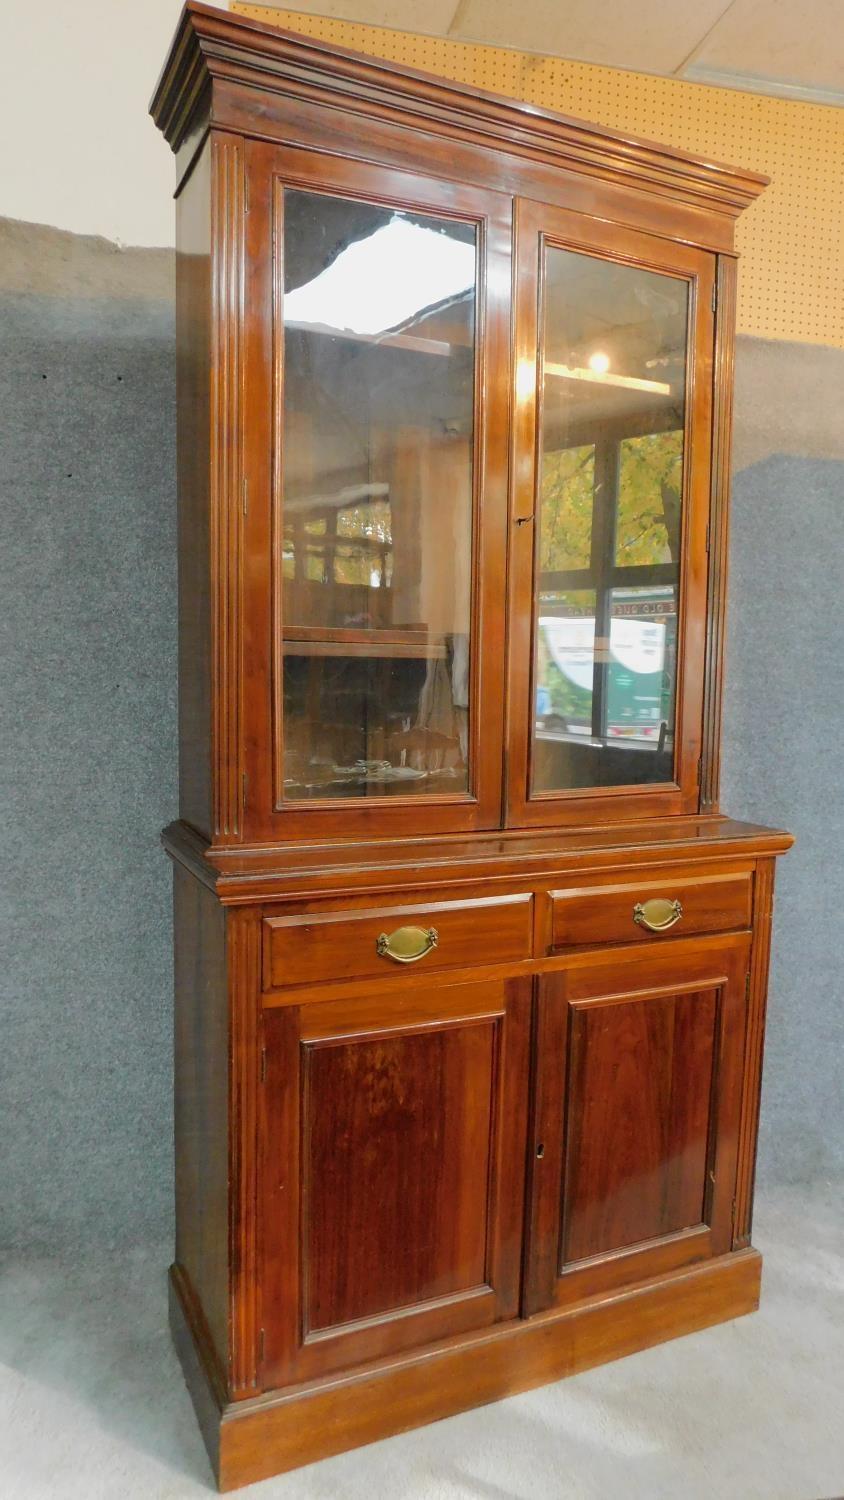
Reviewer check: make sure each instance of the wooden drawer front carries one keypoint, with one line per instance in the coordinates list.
(314, 947)
(607, 913)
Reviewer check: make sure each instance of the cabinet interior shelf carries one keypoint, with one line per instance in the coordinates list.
(316, 640)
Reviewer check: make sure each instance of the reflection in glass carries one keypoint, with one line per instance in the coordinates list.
(379, 359)
(609, 511)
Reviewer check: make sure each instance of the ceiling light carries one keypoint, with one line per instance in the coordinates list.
(599, 362)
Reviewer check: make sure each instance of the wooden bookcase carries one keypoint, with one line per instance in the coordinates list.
(471, 968)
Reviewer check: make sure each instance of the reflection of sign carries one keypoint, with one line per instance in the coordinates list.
(637, 645)
(648, 607)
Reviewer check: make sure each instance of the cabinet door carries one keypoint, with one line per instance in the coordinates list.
(638, 1085)
(377, 403)
(613, 410)
(393, 1172)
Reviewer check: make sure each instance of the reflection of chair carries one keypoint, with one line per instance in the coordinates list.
(425, 749)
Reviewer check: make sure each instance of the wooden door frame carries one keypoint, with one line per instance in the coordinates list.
(538, 224)
(265, 817)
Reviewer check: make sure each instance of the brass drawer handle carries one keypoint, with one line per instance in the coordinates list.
(407, 944)
(657, 915)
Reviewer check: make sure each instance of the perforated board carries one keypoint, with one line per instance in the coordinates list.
(791, 279)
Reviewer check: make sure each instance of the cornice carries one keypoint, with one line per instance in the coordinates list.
(213, 45)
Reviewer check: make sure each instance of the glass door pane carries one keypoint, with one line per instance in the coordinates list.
(377, 499)
(610, 486)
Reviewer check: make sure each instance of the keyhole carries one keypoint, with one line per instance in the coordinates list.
(540, 1150)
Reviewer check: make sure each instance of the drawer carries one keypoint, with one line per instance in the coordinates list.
(382, 941)
(654, 908)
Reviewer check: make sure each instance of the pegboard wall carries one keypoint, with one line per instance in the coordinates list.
(791, 277)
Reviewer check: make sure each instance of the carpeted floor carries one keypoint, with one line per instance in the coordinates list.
(92, 1405)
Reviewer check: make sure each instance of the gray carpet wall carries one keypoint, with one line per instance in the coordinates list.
(88, 750)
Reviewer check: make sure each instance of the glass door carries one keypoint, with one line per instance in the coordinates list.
(613, 413)
(390, 352)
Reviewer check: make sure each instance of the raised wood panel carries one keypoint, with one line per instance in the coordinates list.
(397, 1131)
(393, 1172)
(635, 1116)
(638, 1112)
(604, 913)
(344, 945)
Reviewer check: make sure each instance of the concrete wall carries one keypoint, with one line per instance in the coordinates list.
(89, 748)
(80, 150)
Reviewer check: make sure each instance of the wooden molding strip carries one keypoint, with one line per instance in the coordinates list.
(227, 205)
(216, 44)
(719, 508)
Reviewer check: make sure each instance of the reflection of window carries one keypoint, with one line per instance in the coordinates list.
(609, 557)
(343, 543)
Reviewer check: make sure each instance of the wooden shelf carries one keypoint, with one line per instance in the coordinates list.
(316, 640)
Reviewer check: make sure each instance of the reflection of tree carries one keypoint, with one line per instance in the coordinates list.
(572, 702)
(649, 489)
(568, 482)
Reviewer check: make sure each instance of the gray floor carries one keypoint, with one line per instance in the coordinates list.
(92, 1405)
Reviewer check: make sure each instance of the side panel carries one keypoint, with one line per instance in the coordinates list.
(201, 1099)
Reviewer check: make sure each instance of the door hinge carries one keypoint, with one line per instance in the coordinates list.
(244, 783)
(714, 296)
(246, 195)
(733, 1216)
(260, 1346)
(708, 536)
(245, 492)
(747, 985)
(700, 771)
(263, 1064)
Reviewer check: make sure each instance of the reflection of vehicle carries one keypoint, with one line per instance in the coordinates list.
(636, 671)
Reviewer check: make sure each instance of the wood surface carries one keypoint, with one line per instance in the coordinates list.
(599, 912)
(252, 1440)
(304, 949)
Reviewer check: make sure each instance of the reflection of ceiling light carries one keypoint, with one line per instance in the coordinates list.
(382, 281)
(627, 382)
(599, 362)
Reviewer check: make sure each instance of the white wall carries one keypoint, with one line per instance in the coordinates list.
(79, 148)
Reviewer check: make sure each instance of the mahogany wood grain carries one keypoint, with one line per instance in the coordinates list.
(270, 1435)
(201, 1099)
(635, 1117)
(304, 949)
(527, 856)
(393, 1173)
(757, 1005)
(722, 430)
(193, 450)
(596, 912)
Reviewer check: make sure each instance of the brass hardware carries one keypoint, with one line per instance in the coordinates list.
(407, 944)
(657, 915)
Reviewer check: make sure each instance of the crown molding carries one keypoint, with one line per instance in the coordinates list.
(213, 46)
